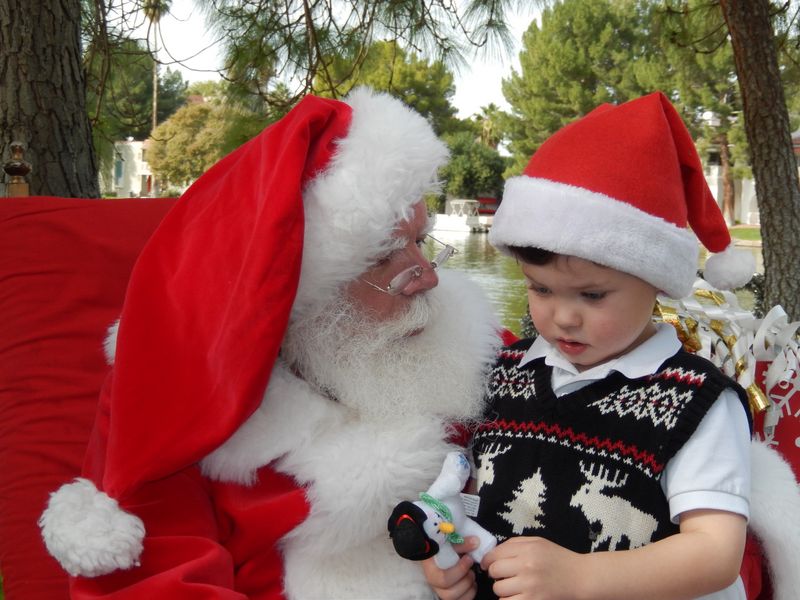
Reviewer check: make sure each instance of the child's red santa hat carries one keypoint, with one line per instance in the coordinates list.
(267, 235)
(619, 187)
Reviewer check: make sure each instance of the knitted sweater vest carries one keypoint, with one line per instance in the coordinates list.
(583, 470)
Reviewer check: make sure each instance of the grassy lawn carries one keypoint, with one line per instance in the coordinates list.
(746, 232)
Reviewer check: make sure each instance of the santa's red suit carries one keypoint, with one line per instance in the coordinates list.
(198, 483)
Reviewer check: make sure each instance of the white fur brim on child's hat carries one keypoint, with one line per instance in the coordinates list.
(267, 236)
(619, 187)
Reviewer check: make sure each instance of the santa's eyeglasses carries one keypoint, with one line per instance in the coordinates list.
(404, 278)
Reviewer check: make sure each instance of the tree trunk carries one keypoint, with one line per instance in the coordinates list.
(727, 181)
(154, 184)
(766, 121)
(43, 96)
(155, 78)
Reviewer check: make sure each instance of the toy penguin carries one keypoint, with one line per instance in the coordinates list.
(429, 526)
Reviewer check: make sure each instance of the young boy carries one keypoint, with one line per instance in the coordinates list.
(612, 463)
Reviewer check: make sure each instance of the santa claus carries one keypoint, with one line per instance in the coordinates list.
(289, 366)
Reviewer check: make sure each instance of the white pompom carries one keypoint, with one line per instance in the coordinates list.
(87, 532)
(110, 343)
(729, 269)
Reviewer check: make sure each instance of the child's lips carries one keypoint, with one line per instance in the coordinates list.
(570, 347)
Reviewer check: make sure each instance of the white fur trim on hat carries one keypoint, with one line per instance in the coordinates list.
(87, 532)
(729, 269)
(110, 343)
(386, 163)
(536, 213)
(775, 518)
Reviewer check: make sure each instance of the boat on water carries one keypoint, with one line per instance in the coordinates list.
(465, 216)
(463, 223)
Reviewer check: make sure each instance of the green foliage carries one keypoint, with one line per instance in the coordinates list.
(155, 9)
(171, 93)
(488, 125)
(434, 204)
(200, 133)
(245, 118)
(119, 101)
(787, 38)
(211, 91)
(474, 168)
(297, 41)
(119, 94)
(740, 151)
(589, 52)
(116, 73)
(186, 145)
(425, 86)
(703, 75)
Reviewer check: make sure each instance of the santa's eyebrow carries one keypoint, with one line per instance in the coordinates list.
(389, 247)
(396, 243)
(401, 241)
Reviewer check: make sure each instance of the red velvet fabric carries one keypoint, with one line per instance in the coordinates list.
(674, 189)
(753, 572)
(64, 267)
(508, 337)
(206, 539)
(209, 300)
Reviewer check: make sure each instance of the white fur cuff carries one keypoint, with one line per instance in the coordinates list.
(87, 532)
(774, 510)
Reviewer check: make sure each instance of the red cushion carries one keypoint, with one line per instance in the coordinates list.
(64, 265)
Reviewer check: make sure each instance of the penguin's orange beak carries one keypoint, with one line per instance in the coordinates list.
(446, 527)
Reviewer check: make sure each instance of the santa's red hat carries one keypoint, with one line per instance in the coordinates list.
(266, 235)
(619, 187)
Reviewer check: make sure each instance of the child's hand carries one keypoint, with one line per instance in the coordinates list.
(532, 567)
(457, 582)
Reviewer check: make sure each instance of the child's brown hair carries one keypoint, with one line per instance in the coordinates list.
(532, 255)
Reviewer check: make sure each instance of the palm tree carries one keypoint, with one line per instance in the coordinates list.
(154, 10)
(490, 122)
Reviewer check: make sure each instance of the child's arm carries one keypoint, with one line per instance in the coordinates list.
(704, 557)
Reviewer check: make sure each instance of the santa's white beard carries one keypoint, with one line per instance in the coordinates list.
(380, 371)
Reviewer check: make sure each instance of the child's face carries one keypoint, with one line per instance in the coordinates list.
(590, 313)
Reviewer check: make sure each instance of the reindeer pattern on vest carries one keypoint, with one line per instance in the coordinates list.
(583, 470)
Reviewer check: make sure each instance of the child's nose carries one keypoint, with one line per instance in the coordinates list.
(566, 315)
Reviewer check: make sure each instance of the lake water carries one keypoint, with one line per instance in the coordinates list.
(499, 275)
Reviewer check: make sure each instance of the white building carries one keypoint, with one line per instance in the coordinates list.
(745, 205)
(130, 175)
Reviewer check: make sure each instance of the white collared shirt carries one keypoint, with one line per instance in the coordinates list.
(712, 470)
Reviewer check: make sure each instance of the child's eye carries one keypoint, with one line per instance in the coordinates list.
(594, 295)
(539, 290)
